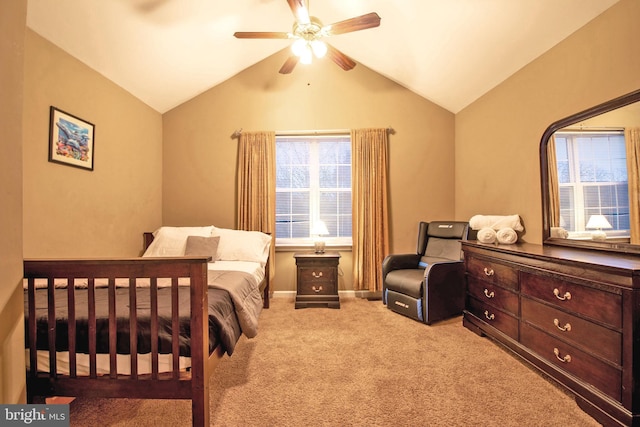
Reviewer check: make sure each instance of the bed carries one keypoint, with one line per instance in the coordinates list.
(182, 306)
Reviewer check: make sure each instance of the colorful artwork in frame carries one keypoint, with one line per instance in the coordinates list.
(71, 140)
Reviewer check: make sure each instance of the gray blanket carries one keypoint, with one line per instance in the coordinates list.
(245, 294)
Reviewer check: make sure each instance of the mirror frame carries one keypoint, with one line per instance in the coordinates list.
(605, 107)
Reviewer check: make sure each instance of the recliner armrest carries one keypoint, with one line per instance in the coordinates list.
(441, 267)
(399, 262)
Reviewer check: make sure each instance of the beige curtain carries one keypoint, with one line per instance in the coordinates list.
(256, 185)
(632, 138)
(369, 197)
(554, 185)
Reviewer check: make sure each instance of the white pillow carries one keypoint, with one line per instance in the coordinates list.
(171, 241)
(241, 245)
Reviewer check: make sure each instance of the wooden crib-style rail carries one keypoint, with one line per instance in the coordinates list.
(172, 385)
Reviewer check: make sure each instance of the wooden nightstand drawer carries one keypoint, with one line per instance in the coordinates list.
(492, 272)
(317, 274)
(317, 280)
(314, 282)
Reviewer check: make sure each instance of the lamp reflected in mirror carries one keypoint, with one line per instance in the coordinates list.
(598, 223)
(318, 230)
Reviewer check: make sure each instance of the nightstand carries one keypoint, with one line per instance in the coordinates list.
(317, 279)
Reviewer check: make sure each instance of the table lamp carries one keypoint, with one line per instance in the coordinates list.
(598, 222)
(319, 229)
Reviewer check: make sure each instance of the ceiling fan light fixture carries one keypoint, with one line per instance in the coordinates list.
(319, 48)
(306, 56)
(308, 35)
(298, 47)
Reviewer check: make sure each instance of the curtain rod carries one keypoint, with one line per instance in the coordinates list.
(237, 132)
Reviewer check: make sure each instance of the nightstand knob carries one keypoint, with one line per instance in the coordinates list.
(316, 275)
(318, 289)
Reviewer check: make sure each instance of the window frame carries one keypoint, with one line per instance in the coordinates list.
(316, 137)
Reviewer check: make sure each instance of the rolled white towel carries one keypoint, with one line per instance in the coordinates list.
(478, 222)
(507, 236)
(487, 235)
(559, 232)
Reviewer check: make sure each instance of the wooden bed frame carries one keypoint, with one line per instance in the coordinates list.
(176, 384)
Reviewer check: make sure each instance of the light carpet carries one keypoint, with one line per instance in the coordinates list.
(360, 365)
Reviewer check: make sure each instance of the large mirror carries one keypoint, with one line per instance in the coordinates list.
(590, 181)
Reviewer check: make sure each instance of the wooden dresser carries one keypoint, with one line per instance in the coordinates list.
(573, 314)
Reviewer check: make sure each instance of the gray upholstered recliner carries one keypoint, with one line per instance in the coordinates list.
(429, 285)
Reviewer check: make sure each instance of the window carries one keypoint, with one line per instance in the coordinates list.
(313, 182)
(592, 173)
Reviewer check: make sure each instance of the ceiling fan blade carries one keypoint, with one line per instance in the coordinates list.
(300, 11)
(340, 58)
(289, 64)
(370, 20)
(260, 35)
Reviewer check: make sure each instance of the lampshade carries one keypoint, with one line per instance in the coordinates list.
(319, 48)
(307, 56)
(598, 222)
(319, 228)
(298, 47)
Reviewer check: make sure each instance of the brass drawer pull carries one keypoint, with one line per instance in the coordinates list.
(316, 275)
(489, 316)
(318, 289)
(488, 294)
(488, 271)
(565, 359)
(565, 328)
(566, 296)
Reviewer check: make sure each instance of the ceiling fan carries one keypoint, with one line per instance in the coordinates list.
(308, 34)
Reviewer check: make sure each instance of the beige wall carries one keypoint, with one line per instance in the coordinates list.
(12, 23)
(200, 155)
(72, 212)
(498, 136)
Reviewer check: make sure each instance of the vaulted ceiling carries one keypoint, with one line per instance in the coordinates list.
(165, 52)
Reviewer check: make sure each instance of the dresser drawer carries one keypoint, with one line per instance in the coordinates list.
(492, 294)
(594, 338)
(492, 272)
(596, 304)
(500, 320)
(588, 368)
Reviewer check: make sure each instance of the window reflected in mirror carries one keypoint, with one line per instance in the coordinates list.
(593, 190)
(590, 177)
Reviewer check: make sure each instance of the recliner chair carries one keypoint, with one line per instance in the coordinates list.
(428, 286)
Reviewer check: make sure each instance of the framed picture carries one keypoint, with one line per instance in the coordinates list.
(71, 140)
